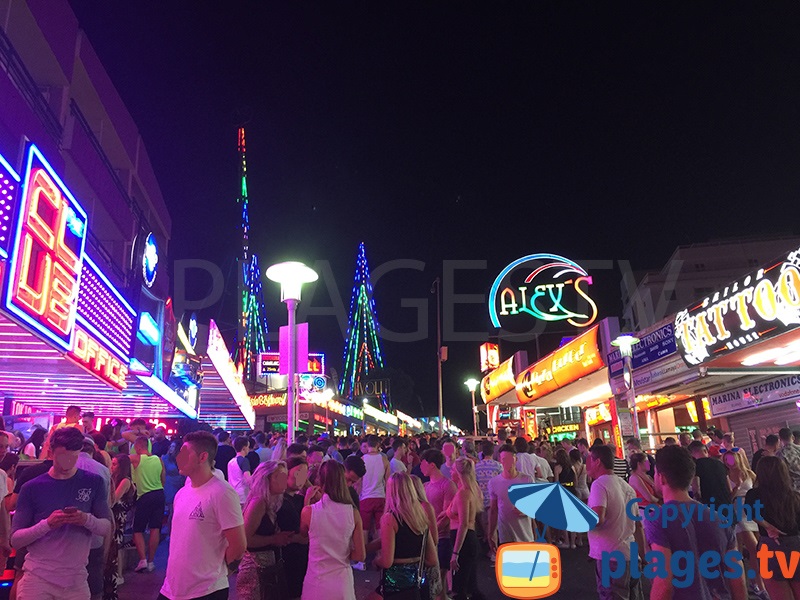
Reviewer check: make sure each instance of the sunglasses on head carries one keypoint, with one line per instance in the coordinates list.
(724, 450)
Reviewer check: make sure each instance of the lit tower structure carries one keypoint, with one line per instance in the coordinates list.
(252, 330)
(362, 350)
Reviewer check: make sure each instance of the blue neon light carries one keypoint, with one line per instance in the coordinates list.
(64, 343)
(9, 168)
(511, 267)
(150, 260)
(148, 329)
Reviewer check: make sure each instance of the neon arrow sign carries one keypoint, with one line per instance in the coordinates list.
(546, 287)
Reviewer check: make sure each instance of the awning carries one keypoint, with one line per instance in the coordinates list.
(38, 377)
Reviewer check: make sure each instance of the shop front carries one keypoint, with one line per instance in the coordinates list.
(747, 337)
(68, 334)
(318, 416)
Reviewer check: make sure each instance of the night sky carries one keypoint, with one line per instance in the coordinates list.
(457, 131)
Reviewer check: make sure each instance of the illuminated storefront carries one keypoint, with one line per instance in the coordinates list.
(319, 412)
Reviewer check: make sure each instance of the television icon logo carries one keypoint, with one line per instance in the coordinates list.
(528, 570)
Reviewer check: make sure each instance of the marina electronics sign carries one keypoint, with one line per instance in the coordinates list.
(541, 288)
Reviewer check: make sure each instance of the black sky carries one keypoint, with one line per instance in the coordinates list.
(440, 131)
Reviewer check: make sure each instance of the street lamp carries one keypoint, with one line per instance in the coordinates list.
(625, 342)
(291, 276)
(472, 385)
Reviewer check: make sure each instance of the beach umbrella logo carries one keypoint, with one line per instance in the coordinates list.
(530, 570)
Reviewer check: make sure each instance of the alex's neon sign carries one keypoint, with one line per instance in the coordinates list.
(761, 305)
(545, 287)
(95, 358)
(44, 273)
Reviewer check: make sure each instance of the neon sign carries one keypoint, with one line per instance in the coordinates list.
(504, 378)
(9, 187)
(490, 356)
(379, 415)
(93, 356)
(759, 306)
(150, 260)
(45, 269)
(268, 400)
(573, 360)
(543, 287)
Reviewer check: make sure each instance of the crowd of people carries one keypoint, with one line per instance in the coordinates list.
(292, 521)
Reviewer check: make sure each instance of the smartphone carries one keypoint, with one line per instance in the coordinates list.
(70, 510)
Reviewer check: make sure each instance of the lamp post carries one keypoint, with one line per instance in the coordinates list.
(291, 276)
(472, 385)
(625, 342)
(437, 284)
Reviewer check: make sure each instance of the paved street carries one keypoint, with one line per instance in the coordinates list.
(577, 582)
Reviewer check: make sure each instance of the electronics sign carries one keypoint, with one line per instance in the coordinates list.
(759, 306)
(541, 287)
(45, 268)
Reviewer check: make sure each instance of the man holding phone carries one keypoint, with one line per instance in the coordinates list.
(57, 514)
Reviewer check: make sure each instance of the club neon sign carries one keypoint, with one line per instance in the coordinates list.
(45, 268)
(543, 287)
(89, 353)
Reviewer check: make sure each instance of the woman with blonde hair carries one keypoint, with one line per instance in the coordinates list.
(742, 480)
(335, 535)
(463, 511)
(403, 530)
(261, 574)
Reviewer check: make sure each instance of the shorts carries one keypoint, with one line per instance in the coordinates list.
(371, 510)
(149, 512)
(444, 549)
(33, 586)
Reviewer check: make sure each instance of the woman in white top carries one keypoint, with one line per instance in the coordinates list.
(335, 536)
(742, 479)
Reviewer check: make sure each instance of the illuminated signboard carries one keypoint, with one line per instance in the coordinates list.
(150, 260)
(47, 256)
(541, 287)
(569, 428)
(9, 189)
(379, 415)
(218, 355)
(269, 363)
(598, 414)
(93, 356)
(409, 420)
(761, 305)
(490, 357)
(569, 363)
(504, 378)
(268, 400)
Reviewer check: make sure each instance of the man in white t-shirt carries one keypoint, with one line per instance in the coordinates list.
(239, 474)
(207, 536)
(505, 519)
(397, 464)
(615, 531)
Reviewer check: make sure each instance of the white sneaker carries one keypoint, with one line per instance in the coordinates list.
(151, 567)
(141, 567)
(359, 566)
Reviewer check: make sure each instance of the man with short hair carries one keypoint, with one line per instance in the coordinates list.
(56, 515)
(502, 436)
(262, 447)
(699, 536)
(160, 442)
(526, 463)
(440, 491)
(297, 449)
(396, 465)
(87, 422)
(207, 538)
(770, 449)
(790, 453)
(506, 523)
(608, 497)
(149, 478)
(583, 448)
(315, 457)
(684, 439)
(373, 486)
(710, 484)
(450, 456)
(354, 470)
(634, 446)
(239, 473)
(72, 419)
(697, 435)
(225, 452)
(485, 470)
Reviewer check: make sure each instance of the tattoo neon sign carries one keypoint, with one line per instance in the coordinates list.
(45, 268)
(544, 287)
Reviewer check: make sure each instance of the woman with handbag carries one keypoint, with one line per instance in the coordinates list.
(463, 512)
(261, 574)
(335, 537)
(778, 525)
(406, 546)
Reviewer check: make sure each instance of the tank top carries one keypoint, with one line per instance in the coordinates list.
(147, 476)
(266, 527)
(407, 544)
(567, 478)
(373, 484)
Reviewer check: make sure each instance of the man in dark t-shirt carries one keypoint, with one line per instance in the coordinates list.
(225, 452)
(770, 449)
(710, 484)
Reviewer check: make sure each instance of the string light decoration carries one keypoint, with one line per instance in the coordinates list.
(252, 331)
(362, 350)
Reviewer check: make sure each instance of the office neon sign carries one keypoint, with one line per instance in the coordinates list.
(45, 268)
(541, 287)
(93, 356)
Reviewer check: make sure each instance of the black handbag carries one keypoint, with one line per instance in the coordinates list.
(407, 582)
(272, 579)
